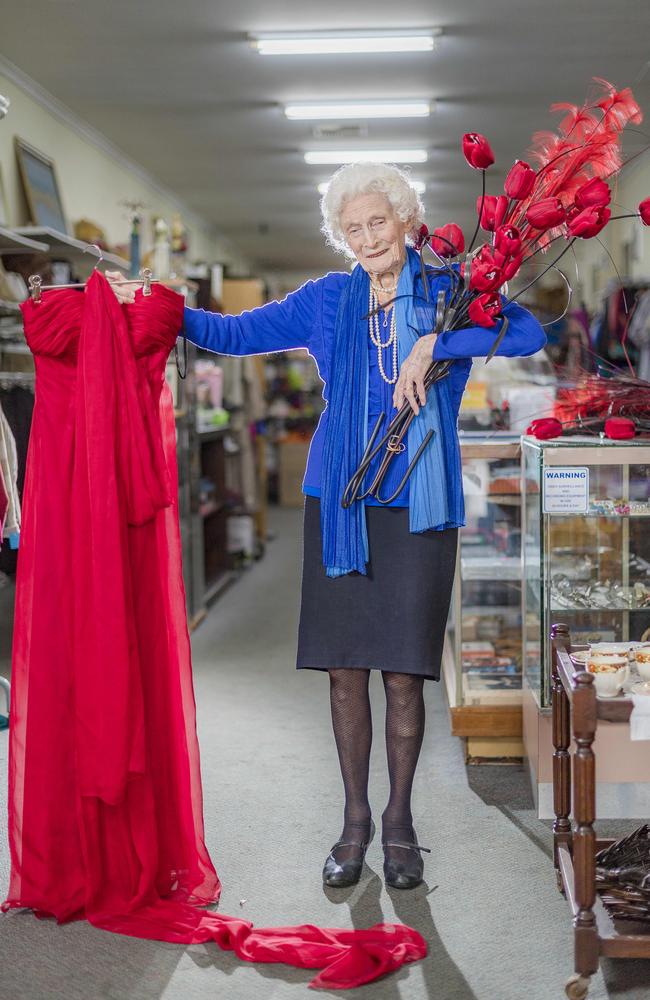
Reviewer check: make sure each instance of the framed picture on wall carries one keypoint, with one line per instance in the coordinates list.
(41, 187)
(4, 207)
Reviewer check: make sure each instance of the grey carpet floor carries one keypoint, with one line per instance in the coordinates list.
(496, 926)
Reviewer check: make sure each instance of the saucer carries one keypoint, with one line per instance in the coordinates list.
(641, 687)
(579, 658)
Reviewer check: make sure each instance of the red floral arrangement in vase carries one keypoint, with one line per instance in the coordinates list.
(563, 198)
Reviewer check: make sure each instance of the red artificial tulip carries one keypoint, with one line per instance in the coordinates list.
(620, 428)
(546, 213)
(594, 194)
(476, 150)
(588, 222)
(511, 267)
(545, 428)
(448, 241)
(421, 237)
(507, 240)
(485, 276)
(484, 309)
(520, 180)
(644, 211)
(493, 211)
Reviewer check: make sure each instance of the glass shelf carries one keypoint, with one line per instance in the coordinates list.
(484, 643)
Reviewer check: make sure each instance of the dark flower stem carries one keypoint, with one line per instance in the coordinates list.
(480, 213)
(542, 273)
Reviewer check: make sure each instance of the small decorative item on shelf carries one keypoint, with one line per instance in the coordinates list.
(135, 211)
(134, 246)
(642, 660)
(178, 246)
(161, 250)
(89, 232)
(210, 413)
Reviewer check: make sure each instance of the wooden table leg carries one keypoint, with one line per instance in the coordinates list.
(561, 755)
(586, 941)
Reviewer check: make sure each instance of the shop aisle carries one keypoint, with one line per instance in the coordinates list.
(496, 926)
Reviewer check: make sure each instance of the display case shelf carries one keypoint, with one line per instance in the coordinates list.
(482, 660)
(601, 541)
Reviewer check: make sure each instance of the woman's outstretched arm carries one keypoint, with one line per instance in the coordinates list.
(276, 326)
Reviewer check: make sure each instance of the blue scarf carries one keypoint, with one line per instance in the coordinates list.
(435, 486)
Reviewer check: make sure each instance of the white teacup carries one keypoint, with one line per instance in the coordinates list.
(606, 662)
(642, 657)
(608, 684)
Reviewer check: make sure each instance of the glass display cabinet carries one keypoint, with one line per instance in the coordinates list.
(483, 651)
(586, 549)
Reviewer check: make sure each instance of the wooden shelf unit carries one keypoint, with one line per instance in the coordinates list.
(577, 711)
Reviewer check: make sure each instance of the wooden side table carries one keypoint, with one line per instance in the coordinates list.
(577, 710)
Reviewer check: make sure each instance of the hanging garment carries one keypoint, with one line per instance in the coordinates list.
(4, 504)
(17, 404)
(9, 467)
(105, 808)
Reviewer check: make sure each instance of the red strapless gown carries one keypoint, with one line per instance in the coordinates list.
(105, 805)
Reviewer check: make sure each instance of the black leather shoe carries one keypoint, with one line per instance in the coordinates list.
(340, 874)
(408, 872)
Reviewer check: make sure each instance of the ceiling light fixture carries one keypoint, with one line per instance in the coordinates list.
(358, 109)
(343, 42)
(317, 156)
(419, 186)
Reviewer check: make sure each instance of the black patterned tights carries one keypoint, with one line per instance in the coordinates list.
(352, 723)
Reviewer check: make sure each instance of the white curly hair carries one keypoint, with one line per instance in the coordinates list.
(354, 179)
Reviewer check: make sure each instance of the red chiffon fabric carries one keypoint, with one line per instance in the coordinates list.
(105, 802)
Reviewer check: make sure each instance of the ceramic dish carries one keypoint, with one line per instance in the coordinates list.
(610, 683)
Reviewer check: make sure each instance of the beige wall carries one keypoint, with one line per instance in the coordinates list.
(93, 175)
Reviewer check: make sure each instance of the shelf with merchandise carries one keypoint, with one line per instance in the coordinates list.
(482, 663)
(593, 559)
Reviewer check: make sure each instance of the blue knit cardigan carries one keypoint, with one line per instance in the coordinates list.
(306, 318)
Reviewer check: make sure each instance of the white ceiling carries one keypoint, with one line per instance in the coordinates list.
(175, 84)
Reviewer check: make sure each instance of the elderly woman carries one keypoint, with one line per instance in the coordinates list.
(377, 579)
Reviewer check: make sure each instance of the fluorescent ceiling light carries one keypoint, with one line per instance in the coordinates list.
(366, 156)
(419, 186)
(358, 109)
(341, 42)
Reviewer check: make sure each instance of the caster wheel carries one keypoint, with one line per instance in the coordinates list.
(577, 988)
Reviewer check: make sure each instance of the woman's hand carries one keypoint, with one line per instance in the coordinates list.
(410, 383)
(125, 293)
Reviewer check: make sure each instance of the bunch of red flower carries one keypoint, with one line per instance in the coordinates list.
(565, 197)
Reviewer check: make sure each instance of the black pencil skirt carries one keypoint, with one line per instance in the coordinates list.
(392, 619)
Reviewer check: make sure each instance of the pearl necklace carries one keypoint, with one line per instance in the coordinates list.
(383, 288)
(375, 337)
